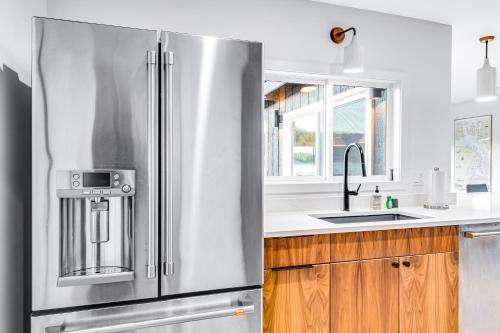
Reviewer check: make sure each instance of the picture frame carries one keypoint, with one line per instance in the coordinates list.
(472, 152)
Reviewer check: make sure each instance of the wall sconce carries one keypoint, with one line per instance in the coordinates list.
(353, 53)
(486, 77)
(308, 88)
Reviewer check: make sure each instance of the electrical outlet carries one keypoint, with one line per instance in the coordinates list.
(418, 179)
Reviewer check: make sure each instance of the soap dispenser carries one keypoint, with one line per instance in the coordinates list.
(376, 199)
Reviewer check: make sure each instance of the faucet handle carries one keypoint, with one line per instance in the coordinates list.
(355, 192)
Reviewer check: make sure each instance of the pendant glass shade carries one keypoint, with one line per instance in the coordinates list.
(353, 57)
(486, 83)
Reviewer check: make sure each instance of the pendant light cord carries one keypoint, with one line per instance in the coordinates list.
(486, 49)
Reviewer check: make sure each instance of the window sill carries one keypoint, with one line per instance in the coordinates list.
(298, 187)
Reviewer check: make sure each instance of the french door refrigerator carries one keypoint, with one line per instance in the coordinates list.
(147, 181)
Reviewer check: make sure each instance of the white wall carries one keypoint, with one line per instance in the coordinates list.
(475, 109)
(15, 112)
(15, 34)
(297, 32)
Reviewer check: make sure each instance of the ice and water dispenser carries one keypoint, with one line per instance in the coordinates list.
(96, 225)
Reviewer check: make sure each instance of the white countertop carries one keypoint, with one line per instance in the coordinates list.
(470, 209)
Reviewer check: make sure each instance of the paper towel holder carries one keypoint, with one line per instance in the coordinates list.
(430, 206)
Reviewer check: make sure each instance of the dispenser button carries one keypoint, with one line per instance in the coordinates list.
(116, 183)
(126, 188)
(87, 192)
(96, 191)
(76, 176)
(76, 184)
(116, 176)
(106, 191)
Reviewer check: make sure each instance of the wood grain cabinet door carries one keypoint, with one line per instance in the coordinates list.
(364, 296)
(428, 295)
(297, 300)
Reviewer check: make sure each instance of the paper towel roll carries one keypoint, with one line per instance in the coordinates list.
(435, 191)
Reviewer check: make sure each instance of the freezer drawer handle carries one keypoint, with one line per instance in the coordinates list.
(152, 157)
(481, 234)
(237, 311)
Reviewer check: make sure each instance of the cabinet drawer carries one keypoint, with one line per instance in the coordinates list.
(393, 243)
(296, 251)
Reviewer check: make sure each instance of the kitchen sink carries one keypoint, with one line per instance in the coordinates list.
(365, 218)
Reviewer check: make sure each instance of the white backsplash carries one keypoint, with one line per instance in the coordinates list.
(312, 202)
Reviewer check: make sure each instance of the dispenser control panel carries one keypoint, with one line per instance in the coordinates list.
(82, 183)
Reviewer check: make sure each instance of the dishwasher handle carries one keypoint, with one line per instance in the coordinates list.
(236, 311)
(481, 234)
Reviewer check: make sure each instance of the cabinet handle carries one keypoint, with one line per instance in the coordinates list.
(277, 269)
(406, 263)
(395, 264)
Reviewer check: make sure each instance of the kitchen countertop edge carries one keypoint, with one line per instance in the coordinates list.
(293, 224)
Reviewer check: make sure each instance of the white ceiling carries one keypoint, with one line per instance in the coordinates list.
(470, 20)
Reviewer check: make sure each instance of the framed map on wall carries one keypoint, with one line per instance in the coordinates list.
(472, 152)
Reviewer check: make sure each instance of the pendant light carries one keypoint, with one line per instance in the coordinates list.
(353, 53)
(486, 77)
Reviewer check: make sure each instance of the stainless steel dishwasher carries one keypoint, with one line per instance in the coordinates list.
(479, 292)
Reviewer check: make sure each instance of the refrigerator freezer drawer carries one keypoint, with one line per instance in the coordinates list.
(221, 313)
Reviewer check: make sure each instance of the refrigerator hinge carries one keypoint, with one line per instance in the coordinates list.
(151, 57)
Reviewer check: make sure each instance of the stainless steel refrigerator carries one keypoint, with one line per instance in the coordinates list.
(147, 181)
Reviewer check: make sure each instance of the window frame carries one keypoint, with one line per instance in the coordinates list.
(393, 129)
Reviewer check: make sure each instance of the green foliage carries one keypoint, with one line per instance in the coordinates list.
(304, 138)
(303, 157)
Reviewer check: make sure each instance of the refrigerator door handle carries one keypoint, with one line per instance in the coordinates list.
(152, 158)
(236, 311)
(167, 163)
(481, 234)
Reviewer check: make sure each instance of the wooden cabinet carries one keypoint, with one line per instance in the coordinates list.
(393, 281)
(428, 293)
(297, 300)
(364, 296)
(393, 243)
(296, 251)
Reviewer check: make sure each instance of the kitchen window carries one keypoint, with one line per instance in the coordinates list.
(309, 123)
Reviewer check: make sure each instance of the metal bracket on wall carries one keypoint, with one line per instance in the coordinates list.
(278, 118)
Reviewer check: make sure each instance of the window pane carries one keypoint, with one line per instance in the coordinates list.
(358, 116)
(304, 145)
(294, 129)
(348, 123)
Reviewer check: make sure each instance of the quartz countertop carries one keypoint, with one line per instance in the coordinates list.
(470, 209)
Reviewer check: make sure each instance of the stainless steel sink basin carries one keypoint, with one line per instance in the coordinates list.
(365, 218)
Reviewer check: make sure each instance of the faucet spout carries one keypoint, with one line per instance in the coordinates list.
(348, 193)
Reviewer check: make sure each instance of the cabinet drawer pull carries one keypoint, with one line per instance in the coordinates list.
(395, 264)
(406, 263)
(276, 269)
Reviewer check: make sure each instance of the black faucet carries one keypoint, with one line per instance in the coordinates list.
(348, 193)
